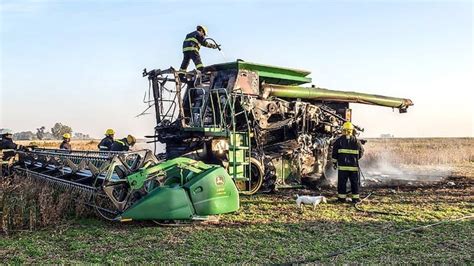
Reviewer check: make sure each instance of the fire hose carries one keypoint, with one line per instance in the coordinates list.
(218, 46)
(358, 208)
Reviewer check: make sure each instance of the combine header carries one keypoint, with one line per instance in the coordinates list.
(254, 120)
(135, 185)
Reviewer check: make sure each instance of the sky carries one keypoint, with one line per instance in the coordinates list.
(80, 62)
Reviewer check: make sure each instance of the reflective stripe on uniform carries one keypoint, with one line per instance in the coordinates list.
(342, 196)
(348, 168)
(193, 40)
(355, 196)
(191, 48)
(103, 147)
(348, 151)
(121, 142)
(199, 65)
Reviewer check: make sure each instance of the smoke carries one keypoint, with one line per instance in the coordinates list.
(385, 168)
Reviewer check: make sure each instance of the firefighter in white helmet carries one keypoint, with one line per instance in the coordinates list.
(191, 46)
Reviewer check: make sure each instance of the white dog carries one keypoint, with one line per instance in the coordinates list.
(311, 200)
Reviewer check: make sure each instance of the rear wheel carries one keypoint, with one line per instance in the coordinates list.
(255, 181)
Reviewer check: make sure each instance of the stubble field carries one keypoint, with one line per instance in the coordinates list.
(414, 224)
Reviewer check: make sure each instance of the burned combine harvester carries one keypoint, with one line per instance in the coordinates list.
(255, 120)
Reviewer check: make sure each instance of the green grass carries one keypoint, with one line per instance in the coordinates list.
(270, 229)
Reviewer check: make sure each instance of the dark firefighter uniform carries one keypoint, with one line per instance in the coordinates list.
(120, 145)
(106, 143)
(8, 147)
(8, 144)
(65, 145)
(346, 152)
(191, 46)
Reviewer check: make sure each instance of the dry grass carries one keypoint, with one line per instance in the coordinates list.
(54, 144)
(421, 151)
(27, 204)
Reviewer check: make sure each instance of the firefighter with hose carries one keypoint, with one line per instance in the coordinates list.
(346, 153)
(191, 46)
(123, 144)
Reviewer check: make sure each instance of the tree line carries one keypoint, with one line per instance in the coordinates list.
(56, 132)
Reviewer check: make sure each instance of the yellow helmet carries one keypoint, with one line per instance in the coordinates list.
(109, 132)
(131, 140)
(204, 29)
(67, 136)
(348, 126)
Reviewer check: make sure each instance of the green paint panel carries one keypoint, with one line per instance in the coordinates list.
(163, 203)
(283, 169)
(267, 73)
(213, 193)
(190, 188)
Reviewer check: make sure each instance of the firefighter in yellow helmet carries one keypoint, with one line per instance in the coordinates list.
(66, 144)
(123, 144)
(191, 45)
(346, 152)
(106, 143)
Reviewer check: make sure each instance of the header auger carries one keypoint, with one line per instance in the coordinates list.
(254, 120)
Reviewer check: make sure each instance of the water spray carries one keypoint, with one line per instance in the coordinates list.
(218, 46)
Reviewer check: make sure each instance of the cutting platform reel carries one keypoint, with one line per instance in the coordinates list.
(134, 185)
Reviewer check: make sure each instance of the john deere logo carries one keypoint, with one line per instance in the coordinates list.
(219, 180)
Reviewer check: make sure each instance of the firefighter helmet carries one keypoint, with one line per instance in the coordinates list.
(131, 140)
(203, 28)
(109, 132)
(67, 136)
(348, 126)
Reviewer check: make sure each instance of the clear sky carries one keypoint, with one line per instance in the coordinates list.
(80, 62)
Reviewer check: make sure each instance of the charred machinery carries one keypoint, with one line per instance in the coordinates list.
(256, 121)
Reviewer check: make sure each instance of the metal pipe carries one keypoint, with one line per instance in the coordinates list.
(321, 94)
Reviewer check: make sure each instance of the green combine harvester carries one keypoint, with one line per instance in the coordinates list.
(235, 128)
(256, 121)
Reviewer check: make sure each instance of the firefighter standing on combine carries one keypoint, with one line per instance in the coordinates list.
(123, 144)
(66, 144)
(346, 152)
(191, 46)
(106, 143)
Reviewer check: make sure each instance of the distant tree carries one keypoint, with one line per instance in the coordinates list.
(40, 132)
(79, 135)
(59, 130)
(26, 135)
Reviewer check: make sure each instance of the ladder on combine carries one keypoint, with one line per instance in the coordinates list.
(239, 161)
(220, 121)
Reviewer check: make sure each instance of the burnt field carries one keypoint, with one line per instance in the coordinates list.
(421, 198)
